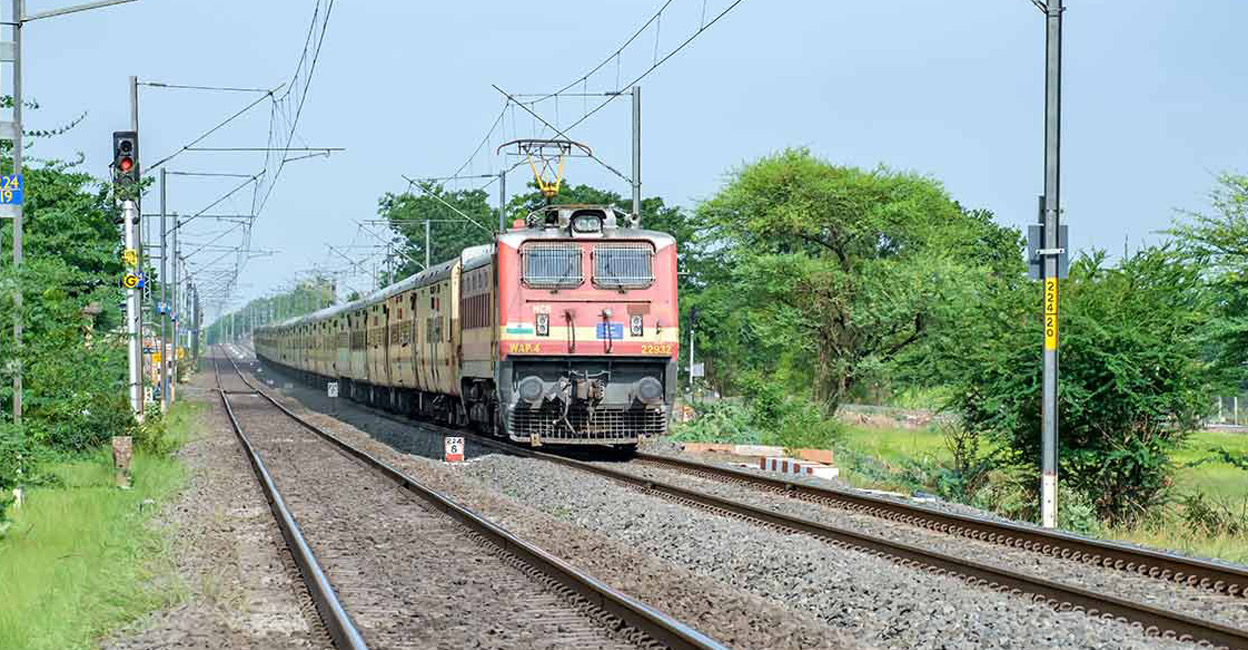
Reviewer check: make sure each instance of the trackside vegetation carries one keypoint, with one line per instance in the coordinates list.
(74, 560)
(831, 284)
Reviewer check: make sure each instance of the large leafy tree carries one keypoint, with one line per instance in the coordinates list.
(1134, 378)
(824, 275)
(457, 219)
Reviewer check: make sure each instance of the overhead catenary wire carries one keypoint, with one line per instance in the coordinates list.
(303, 95)
(158, 84)
(563, 133)
(614, 55)
(612, 97)
(542, 97)
(223, 197)
(214, 129)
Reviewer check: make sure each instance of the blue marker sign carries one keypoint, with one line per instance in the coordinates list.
(617, 331)
(11, 189)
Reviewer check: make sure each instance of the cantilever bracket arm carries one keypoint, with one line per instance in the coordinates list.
(51, 13)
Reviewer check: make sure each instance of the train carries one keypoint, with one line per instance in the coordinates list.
(561, 331)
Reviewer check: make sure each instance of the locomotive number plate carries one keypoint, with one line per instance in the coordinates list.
(663, 349)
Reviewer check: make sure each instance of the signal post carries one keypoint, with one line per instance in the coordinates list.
(126, 177)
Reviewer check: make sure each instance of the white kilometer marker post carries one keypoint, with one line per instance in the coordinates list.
(454, 449)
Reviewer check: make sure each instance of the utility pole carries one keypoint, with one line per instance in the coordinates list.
(175, 313)
(138, 235)
(164, 310)
(19, 11)
(502, 203)
(637, 151)
(130, 219)
(125, 175)
(196, 315)
(427, 239)
(1052, 216)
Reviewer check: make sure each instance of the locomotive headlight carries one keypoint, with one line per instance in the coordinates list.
(587, 223)
(543, 324)
(531, 389)
(634, 325)
(650, 390)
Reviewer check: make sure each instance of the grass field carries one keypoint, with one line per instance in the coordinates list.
(80, 559)
(1199, 471)
(1216, 478)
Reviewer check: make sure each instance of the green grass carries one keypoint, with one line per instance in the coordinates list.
(80, 558)
(1215, 478)
(896, 445)
(897, 449)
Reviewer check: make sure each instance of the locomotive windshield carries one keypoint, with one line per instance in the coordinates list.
(623, 265)
(549, 265)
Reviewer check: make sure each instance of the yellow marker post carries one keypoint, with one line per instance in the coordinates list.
(1050, 314)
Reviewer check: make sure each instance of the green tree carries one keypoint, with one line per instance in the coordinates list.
(307, 296)
(1218, 241)
(1134, 379)
(822, 275)
(450, 232)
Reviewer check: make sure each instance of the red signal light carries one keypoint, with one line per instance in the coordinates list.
(126, 164)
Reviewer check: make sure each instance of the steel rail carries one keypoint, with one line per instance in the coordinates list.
(341, 628)
(1151, 563)
(659, 626)
(1153, 621)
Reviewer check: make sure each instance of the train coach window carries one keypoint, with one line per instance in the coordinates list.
(549, 265)
(624, 265)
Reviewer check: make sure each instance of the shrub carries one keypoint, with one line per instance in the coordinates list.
(719, 421)
(16, 462)
(970, 467)
(1132, 385)
(1214, 516)
(770, 415)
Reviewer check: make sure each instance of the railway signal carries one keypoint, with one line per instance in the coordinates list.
(126, 157)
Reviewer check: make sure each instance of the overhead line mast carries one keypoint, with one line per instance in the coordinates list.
(1051, 253)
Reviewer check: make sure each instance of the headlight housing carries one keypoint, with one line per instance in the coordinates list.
(531, 389)
(650, 390)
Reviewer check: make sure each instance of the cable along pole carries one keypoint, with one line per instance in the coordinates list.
(1052, 216)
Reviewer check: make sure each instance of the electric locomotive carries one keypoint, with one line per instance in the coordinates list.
(562, 331)
(587, 327)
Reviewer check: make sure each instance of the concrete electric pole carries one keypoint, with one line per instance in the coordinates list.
(163, 312)
(637, 151)
(1052, 217)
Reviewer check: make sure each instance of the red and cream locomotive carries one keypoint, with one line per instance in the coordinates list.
(562, 331)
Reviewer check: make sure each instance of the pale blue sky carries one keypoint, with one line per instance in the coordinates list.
(1155, 96)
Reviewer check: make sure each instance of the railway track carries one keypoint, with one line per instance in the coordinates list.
(1155, 564)
(422, 571)
(1153, 620)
